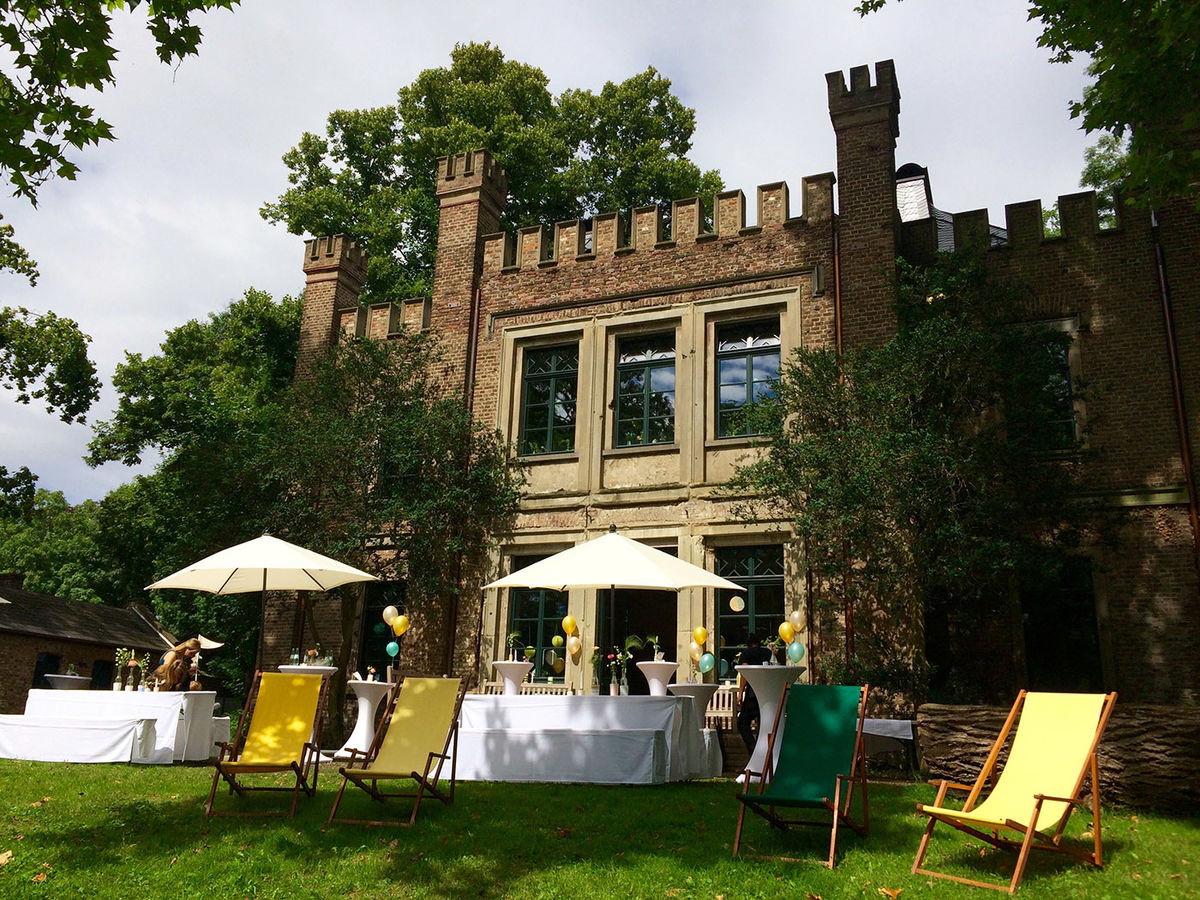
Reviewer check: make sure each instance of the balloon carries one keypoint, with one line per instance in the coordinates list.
(797, 620)
(559, 665)
(389, 613)
(700, 635)
(707, 663)
(557, 640)
(548, 657)
(737, 604)
(696, 651)
(530, 653)
(574, 645)
(795, 651)
(392, 648)
(724, 667)
(785, 632)
(400, 625)
(568, 624)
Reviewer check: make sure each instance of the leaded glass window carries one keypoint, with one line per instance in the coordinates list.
(549, 392)
(535, 616)
(747, 370)
(645, 390)
(759, 570)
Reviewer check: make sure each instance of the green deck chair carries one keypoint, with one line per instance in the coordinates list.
(412, 743)
(1053, 751)
(820, 751)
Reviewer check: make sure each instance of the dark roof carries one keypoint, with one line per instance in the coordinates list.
(28, 612)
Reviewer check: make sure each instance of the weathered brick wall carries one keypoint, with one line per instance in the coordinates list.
(18, 657)
(1149, 755)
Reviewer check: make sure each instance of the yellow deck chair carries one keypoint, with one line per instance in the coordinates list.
(1053, 750)
(284, 735)
(413, 742)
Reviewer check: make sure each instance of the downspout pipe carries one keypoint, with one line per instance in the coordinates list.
(1181, 418)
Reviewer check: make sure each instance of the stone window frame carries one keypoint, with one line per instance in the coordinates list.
(633, 324)
(510, 410)
(546, 625)
(745, 355)
(1072, 326)
(753, 582)
(774, 303)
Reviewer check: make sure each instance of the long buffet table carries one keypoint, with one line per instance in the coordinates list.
(592, 739)
(98, 726)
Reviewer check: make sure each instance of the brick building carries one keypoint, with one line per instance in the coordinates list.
(618, 359)
(45, 635)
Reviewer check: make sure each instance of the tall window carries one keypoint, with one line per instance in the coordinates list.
(375, 634)
(1043, 411)
(551, 385)
(535, 616)
(759, 570)
(747, 367)
(1056, 429)
(646, 390)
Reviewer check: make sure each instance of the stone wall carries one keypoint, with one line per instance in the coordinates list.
(1149, 755)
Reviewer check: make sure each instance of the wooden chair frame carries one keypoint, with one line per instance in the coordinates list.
(309, 759)
(1031, 838)
(357, 770)
(838, 807)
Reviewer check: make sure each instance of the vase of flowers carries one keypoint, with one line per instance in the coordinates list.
(516, 646)
(652, 640)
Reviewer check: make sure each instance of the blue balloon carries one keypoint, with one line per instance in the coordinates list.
(724, 667)
(707, 663)
(795, 651)
(392, 648)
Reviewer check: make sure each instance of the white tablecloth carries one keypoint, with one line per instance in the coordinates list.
(593, 739)
(51, 739)
(182, 719)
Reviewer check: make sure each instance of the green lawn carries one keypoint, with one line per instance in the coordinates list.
(140, 832)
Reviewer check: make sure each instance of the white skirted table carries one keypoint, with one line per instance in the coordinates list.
(582, 739)
(368, 694)
(700, 692)
(183, 720)
(768, 683)
(658, 673)
(513, 672)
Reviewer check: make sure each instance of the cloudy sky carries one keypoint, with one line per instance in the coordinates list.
(162, 225)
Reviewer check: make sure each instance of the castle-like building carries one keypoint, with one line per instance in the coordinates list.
(619, 361)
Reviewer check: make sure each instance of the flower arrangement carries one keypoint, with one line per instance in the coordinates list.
(315, 656)
(516, 644)
(122, 657)
(652, 640)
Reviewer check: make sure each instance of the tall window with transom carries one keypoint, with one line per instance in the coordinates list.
(645, 390)
(759, 570)
(549, 391)
(747, 369)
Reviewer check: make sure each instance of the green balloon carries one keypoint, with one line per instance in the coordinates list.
(795, 651)
(707, 663)
(392, 648)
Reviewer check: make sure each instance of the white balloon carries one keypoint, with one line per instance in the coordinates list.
(737, 603)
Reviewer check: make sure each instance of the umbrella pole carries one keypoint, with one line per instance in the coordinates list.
(262, 623)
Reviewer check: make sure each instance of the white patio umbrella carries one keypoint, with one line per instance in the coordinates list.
(263, 564)
(613, 561)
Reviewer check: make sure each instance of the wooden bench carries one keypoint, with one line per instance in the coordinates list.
(537, 687)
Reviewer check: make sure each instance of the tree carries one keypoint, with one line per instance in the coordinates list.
(1145, 64)
(57, 50)
(373, 174)
(45, 358)
(206, 404)
(917, 477)
(382, 472)
(56, 548)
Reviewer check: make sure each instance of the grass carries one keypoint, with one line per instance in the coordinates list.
(131, 832)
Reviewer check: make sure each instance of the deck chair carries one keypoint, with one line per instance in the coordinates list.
(820, 752)
(1053, 750)
(284, 713)
(413, 742)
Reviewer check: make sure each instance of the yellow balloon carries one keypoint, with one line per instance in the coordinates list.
(400, 625)
(700, 635)
(568, 624)
(559, 665)
(574, 645)
(389, 613)
(696, 651)
(786, 632)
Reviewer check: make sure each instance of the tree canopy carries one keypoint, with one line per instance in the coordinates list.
(919, 474)
(372, 175)
(57, 50)
(44, 357)
(1145, 65)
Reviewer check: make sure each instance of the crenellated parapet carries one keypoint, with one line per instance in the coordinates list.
(647, 229)
(863, 101)
(1079, 223)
